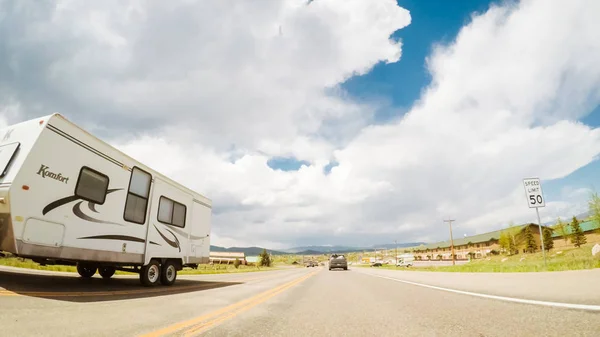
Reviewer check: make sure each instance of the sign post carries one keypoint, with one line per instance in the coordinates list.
(535, 199)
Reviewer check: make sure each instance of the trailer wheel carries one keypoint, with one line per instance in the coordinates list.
(168, 273)
(150, 274)
(86, 270)
(106, 272)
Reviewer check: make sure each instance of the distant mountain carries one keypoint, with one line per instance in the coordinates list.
(400, 245)
(581, 217)
(245, 250)
(309, 252)
(312, 250)
(320, 249)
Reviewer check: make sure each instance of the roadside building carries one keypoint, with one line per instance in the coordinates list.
(227, 257)
(474, 247)
(589, 228)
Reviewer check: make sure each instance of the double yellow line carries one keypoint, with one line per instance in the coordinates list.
(202, 323)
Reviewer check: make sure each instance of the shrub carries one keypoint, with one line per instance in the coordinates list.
(265, 259)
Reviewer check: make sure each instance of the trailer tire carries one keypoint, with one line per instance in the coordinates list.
(86, 270)
(150, 274)
(168, 273)
(106, 272)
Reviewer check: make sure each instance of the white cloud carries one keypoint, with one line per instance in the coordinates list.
(243, 73)
(219, 88)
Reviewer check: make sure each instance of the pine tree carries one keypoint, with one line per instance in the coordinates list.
(548, 242)
(530, 244)
(265, 258)
(577, 236)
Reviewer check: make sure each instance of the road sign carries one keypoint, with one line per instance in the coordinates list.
(533, 190)
(535, 199)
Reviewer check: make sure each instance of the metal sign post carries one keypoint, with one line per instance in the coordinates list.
(535, 199)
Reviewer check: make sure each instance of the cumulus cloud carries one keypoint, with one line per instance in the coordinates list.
(243, 74)
(208, 92)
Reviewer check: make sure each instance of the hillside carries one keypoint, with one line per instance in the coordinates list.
(245, 250)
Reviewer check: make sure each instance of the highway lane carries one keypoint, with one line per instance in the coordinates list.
(574, 286)
(296, 302)
(45, 304)
(354, 303)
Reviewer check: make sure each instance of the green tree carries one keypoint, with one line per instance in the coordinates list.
(562, 229)
(577, 236)
(504, 242)
(548, 242)
(513, 232)
(508, 239)
(236, 263)
(594, 209)
(530, 244)
(265, 259)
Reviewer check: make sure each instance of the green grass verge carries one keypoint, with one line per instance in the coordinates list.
(28, 264)
(202, 269)
(569, 259)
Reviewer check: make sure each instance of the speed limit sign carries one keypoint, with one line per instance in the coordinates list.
(533, 190)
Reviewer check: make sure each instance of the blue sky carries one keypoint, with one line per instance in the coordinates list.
(236, 100)
(399, 84)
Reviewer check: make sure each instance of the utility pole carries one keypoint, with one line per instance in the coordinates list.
(449, 221)
(396, 243)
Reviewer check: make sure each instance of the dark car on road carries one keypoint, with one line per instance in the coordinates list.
(338, 261)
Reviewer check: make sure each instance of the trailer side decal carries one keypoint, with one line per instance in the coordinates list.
(77, 211)
(58, 203)
(92, 207)
(66, 200)
(174, 244)
(118, 237)
(184, 234)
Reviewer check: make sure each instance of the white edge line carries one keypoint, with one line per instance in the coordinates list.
(588, 307)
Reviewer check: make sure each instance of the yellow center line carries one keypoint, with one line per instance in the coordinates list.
(249, 302)
(207, 325)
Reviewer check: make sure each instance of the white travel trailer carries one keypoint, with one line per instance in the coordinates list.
(66, 197)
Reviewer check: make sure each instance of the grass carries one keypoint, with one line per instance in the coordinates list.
(202, 269)
(28, 264)
(569, 259)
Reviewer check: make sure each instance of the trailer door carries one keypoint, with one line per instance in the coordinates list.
(169, 222)
(199, 238)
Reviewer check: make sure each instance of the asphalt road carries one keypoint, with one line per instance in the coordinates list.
(297, 302)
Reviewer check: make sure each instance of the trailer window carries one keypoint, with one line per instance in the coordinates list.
(171, 212)
(7, 153)
(137, 196)
(92, 185)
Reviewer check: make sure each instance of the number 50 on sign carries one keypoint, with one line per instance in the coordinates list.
(533, 190)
